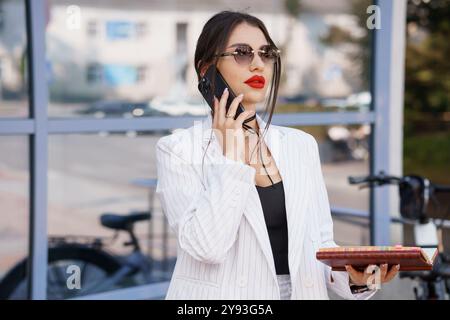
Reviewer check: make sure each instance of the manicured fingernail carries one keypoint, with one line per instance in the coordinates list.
(225, 90)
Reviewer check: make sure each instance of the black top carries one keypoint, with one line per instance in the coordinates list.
(274, 208)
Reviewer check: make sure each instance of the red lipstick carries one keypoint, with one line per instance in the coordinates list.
(256, 82)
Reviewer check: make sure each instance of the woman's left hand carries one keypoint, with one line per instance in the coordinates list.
(360, 278)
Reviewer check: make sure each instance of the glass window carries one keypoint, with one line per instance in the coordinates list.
(141, 29)
(101, 191)
(94, 73)
(14, 216)
(13, 60)
(141, 73)
(114, 64)
(326, 57)
(92, 28)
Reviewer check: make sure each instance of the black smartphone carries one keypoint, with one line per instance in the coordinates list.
(213, 84)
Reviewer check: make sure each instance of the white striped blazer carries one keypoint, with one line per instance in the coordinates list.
(223, 247)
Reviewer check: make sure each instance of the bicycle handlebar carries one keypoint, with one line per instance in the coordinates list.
(357, 180)
(382, 179)
(441, 188)
(379, 179)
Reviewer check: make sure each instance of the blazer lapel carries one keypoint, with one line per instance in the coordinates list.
(297, 195)
(294, 175)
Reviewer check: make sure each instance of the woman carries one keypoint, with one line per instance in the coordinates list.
(249, 208)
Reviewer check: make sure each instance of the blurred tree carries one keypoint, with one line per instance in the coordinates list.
(427, 80)
(426, 148)
(427, 70)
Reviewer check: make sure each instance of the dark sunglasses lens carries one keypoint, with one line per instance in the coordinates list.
(244, 55)
(270, 54)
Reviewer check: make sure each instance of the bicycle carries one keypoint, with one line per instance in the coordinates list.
(99, 270)
(415, 193)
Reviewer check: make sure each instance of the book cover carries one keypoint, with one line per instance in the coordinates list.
(409, 258)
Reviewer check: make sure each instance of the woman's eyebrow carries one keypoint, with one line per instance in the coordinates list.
(245, 44)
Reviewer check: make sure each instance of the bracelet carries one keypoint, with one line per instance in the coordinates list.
(358, 289)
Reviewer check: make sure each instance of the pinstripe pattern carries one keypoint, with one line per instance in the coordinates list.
(223, 245)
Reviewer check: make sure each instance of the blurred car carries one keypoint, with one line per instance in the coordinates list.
(120, 108)
(124, 109)
(180, 106)
(298, 99)
(333, 102)
(360, 100)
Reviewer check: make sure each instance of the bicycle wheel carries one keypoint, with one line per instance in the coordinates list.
(95, 266)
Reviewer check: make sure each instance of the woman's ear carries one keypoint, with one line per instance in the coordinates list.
(204, 68)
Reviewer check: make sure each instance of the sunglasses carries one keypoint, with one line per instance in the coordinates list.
(244, 54)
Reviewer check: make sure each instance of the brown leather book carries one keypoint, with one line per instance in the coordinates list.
(409, 258)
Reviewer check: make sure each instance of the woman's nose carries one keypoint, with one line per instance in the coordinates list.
(257, 63)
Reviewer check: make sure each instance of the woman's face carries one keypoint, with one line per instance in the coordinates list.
(236, 74)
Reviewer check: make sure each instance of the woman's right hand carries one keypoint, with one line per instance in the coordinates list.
(229, 131)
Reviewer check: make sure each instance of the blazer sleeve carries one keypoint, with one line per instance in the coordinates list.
(337, 281)
(205, 218)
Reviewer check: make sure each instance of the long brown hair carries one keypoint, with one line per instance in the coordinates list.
(213, 40)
